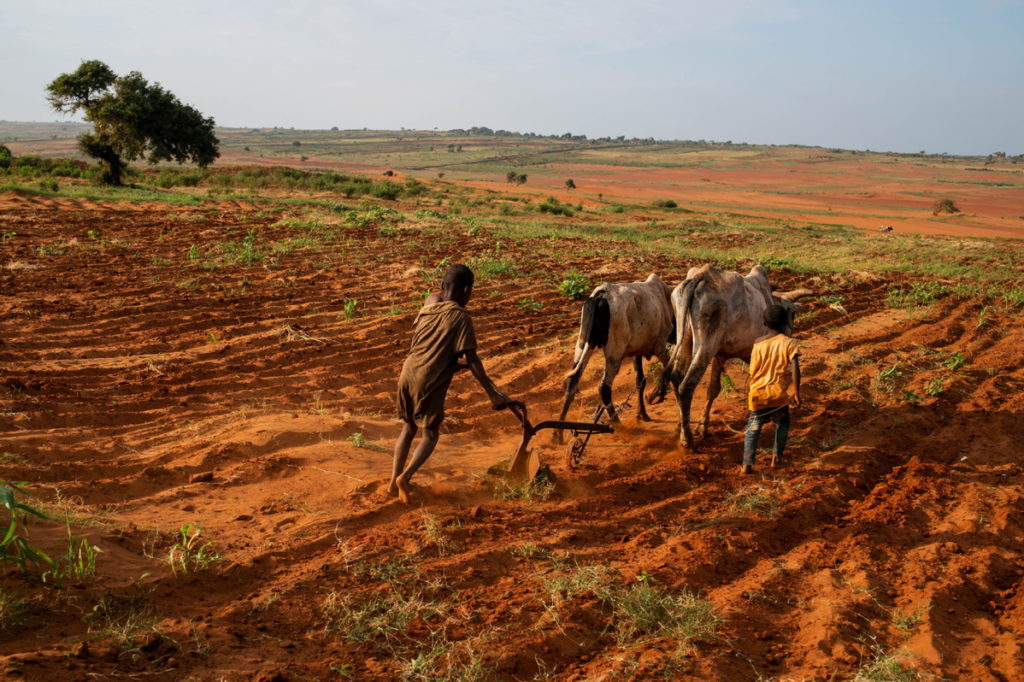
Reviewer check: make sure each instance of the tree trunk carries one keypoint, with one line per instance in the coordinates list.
(112, 167)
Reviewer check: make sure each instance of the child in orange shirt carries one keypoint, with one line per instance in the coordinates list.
(774, 367)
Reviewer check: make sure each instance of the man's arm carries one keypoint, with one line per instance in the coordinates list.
(795, 371)
(499, 400)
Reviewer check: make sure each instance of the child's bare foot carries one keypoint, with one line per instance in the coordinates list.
(746, 469)
(392, 490)
(775, 461)
(403, 489)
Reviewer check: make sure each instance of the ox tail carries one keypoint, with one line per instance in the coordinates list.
(689, 364)
(680, 358)
(594, 327)
(597, 320)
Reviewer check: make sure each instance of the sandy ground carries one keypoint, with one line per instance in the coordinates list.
(144, 393)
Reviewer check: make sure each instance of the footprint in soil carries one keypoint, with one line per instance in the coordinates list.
(370, 488)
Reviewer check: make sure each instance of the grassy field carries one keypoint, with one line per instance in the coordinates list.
(785, 185)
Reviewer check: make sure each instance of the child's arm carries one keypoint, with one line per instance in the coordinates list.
(499, 400)
(795, 371)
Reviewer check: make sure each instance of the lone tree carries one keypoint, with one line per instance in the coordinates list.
(131, 119)
(569, 184)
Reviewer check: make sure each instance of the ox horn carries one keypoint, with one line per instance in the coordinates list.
(794, 295)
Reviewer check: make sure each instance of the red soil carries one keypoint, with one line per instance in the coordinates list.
(231, 402)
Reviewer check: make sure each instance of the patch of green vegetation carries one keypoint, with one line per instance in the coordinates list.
(537, 489)
(529, 305)
(189, 554)
(350, 308)
(360, 441)
(758, 499)
(121, 617)
(492, 267)
(917, 294)
(384, 618)
(574, 286)
(645, 609)
(555, 207)
(15, 547)
(12, 610)
(888, 667)
(78, 565)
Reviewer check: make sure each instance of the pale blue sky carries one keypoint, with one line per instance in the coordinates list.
(902, 75)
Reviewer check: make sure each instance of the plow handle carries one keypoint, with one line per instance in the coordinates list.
(520, 413)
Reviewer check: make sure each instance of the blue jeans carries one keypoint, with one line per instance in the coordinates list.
(779, 415)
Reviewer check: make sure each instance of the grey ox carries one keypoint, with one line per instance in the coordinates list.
(719, 314)
(631, 320)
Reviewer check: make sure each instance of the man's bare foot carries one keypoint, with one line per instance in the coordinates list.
(403, 489)
(746, 469)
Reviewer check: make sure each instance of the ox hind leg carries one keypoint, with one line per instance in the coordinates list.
(685, 390)
(657, 393)
(572, 383)
(611, 369)
(641, 384)
(714, 388)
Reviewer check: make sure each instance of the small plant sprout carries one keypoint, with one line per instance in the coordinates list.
(908, 622)
(78, 565)
(349, 308)
(189, 554)
(574, 286)
(910, 397)
(529, 305)
(360, 441)
(728, 386)
(954, 362)
(982, 317)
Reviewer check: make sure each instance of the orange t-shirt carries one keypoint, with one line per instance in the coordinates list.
(770, 377)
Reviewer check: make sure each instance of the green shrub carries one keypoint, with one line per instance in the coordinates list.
(5, 157)
(665, 203)
(386, 190)
(944, 206)
(414, 188)
(553, 206)
(574, 287)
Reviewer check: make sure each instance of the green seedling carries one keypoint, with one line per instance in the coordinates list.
(349, 308)
(15, 547)
(188, 554)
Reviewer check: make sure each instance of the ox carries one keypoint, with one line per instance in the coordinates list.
(625, 320)
(719, 315)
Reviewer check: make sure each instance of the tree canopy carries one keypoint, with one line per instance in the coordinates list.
(132, 119)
